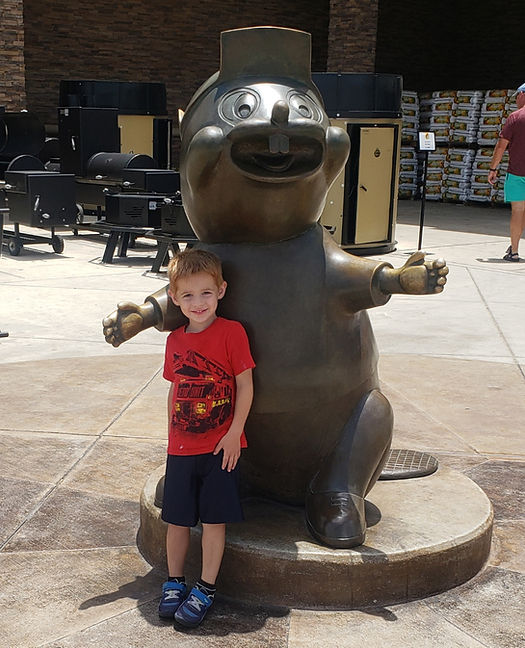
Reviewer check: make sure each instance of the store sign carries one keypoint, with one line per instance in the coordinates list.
(427, 141)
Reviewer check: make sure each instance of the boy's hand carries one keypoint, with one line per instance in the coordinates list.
(230, 444)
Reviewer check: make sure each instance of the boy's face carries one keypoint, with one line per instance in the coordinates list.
(198, 296)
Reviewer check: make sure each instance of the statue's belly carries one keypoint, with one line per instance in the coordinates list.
(315, 360)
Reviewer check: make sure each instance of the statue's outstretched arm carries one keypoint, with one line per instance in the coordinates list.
(129, 319)
(415, 277)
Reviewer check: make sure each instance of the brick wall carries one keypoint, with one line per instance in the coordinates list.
(352, 35)
(12, 76)
(176, 43)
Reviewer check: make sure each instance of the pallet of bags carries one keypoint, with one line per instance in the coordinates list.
(437, 159)
(483, 159)
(480, 193)
(464, 130)
(435, 113)
(408, 172)
(469, 98)
(465, 116)
(499, 195)
(456, 194)
(464, 156)
(434, 190)
(456, 185)
(458, 170)
(409, 99)
(487, 135)
(480, 188)
(410, 114)
(406, 190)
(496, 107)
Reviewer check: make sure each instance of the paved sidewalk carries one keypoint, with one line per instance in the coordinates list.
(83, 426)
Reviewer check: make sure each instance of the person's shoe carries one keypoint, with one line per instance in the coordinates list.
(191, 613)
(510, 255)
(173, 594)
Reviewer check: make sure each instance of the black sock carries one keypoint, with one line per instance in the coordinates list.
(206, 588)
(176, 579)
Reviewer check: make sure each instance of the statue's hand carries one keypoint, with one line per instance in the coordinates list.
(420, 277)
(123, 324)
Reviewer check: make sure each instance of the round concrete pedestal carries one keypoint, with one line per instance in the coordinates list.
(425, 535)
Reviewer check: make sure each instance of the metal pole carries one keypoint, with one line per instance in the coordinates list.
(2, 210)
(423, 195)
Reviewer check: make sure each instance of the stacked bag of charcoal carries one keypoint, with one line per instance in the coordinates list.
(435, 180)
(410, 113)
(408, 164)
(408, 172)
(457, 174)
(480, 189)
(465, 116)
(435, 113)
(496, 107)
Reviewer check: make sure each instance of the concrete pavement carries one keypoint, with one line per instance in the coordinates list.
(76, 446)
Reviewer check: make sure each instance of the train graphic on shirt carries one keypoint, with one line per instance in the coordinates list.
(204, 394)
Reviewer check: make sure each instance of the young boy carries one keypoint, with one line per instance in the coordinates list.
(209, 364)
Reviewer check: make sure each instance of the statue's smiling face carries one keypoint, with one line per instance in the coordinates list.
(257, 160)
(276, 132)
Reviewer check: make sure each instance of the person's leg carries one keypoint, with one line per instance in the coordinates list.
(193, 610)
(517, 223)
(177, 543)
(213, 539)
(174, 590)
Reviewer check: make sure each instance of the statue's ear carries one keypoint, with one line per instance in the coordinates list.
(337, 150)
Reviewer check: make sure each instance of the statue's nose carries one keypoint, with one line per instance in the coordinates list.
(280, 112)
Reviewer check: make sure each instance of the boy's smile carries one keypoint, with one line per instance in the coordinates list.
(197, 296)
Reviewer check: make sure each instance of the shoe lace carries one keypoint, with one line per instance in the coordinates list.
(196, 603)
(171, 594)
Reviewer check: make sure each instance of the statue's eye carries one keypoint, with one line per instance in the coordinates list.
(245, 105)
(304, 110)
(305, 106)
(239, 104)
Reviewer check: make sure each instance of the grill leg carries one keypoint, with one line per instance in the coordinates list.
(124, 242)
(110, 247)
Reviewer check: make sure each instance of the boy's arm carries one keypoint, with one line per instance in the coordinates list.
(170, 405)
(231, 441)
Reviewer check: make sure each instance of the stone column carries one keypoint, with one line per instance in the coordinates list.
(352, 35)
(12, 68)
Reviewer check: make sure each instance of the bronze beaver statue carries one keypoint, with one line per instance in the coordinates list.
(257, 159)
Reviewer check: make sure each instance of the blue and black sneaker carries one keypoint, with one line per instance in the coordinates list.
(173, 594)
(191, 613)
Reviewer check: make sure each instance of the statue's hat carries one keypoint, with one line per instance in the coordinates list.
(266, 51)
(262, 52)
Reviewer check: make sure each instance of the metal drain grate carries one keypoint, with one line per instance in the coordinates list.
(404, 464)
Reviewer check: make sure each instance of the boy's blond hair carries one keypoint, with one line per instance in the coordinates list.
(190, 262)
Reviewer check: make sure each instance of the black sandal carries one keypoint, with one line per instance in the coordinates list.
(510, 255)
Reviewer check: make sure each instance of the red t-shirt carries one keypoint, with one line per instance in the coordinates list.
(514, 131)
(202, 367)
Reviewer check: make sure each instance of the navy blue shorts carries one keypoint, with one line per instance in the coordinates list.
(197, 488)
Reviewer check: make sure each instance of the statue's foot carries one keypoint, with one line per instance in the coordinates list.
(336, 519)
